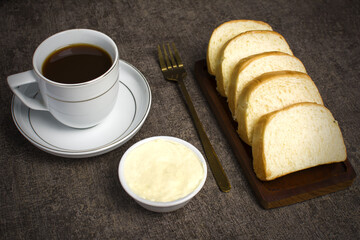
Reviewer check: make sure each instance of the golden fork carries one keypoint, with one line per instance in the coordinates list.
(173, 70)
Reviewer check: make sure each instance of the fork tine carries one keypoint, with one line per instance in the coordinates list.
(177, 56)
(167, 58)
(161, 60)
(171, 57)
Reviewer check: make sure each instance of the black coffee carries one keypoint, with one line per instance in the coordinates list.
(76, 64)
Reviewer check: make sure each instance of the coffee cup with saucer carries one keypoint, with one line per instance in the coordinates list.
(79, 104)
(84, 119)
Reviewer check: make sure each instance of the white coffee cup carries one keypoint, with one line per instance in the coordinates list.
(79, 105)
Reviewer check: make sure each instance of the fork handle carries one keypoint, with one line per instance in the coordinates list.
(214, 163)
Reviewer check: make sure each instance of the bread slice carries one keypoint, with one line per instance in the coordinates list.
(300, 136)
(224, 33)
(254, 66)
(242, 46)
(270, 92)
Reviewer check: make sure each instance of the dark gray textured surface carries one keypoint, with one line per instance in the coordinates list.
(48, 197)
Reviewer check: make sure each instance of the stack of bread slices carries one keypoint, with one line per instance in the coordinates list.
(276, 104)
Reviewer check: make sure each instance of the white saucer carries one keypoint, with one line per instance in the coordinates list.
(127, 117)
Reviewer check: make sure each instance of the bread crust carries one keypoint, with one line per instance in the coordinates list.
(259, 158)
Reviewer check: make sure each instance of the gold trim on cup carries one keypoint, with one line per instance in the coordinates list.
(86, 100)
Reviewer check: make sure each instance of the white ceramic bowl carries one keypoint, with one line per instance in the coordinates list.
(162, 206)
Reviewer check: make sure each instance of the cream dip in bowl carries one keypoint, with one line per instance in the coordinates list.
(162, 173)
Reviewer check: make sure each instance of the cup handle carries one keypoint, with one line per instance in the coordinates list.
(19, 79)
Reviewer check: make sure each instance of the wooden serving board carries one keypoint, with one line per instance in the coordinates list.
(286, 190)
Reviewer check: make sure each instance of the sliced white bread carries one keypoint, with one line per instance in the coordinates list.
(300, 136)
(256, 65)
(245, 45)
(224, 33)
(270, 92)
